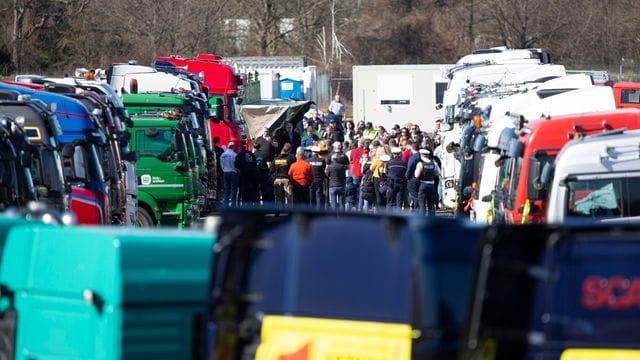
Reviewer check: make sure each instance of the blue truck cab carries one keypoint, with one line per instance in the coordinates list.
(81, 136)
(32, 130)
(569, 293)
(314, 285)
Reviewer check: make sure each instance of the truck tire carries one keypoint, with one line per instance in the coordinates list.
(144, 218)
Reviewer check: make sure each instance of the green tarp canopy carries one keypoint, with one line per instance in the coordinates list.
(272, 113)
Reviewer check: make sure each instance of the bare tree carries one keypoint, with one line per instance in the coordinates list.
(31, 16)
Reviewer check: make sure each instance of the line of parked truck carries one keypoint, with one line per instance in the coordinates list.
(516, 128)
(134, 148)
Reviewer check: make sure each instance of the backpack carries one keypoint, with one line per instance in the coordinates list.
(428, 171)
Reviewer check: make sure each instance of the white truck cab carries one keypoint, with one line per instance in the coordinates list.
(124, 78)
(597, 177)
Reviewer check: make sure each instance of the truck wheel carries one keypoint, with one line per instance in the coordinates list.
(144, 218)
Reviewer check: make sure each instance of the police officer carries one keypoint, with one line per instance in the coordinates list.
(426, 172)
(412, 183)
(396, 169)
(281, 184)
(316, 190)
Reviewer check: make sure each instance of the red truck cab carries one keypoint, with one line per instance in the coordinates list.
(627, 94)
(521, 186)
(224, 87)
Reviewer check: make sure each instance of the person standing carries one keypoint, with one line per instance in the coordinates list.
(367, 186)
(229, 176)
(281, 183)
(249, 176)
(219, 173)
(413, 184)
(338, 108)
(438, 152)
(308, 140)
(337, 175)
(369, 131)
(426, 172)
(316, 190)
(265, 145)
(396, 171)
(289, 136)
(265, 179)
(356, 167)
(301, 178)
(333, 133)
(339, 155)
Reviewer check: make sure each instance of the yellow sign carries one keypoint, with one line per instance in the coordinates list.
(295, 338)
(600, 354)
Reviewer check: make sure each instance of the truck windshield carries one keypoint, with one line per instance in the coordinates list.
(597, 198)
(154, 144)
(230, 110)
(233, 103)
(630, 96)
(515, 178)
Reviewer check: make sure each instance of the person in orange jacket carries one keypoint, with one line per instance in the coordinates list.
(300, 177)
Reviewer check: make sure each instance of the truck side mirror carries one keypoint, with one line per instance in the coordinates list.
(131, 156)
(479, 143)
(67, 151)
(25, 159)
(515, 148)
(78, 164)
(219, 112)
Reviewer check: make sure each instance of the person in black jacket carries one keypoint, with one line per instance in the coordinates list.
(316, 190)
(265, 145)
(283, 192)
(426, 172)
(396, 179)
(333, 134)
(412, 183)
(368, 189)
(218, 151)
(337, 175)
(289, 136)
(249, 176)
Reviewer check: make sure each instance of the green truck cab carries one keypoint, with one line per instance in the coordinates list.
(167, 172)
(194, 114)
(102, 293)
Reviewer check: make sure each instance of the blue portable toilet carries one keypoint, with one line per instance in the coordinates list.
(291, 89)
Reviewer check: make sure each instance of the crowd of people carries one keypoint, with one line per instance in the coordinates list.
(325, 161)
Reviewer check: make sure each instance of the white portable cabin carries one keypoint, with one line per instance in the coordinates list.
(396, 94)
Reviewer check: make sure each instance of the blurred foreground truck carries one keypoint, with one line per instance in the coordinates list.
(101, 293)
(569, 293)
(314, 286)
